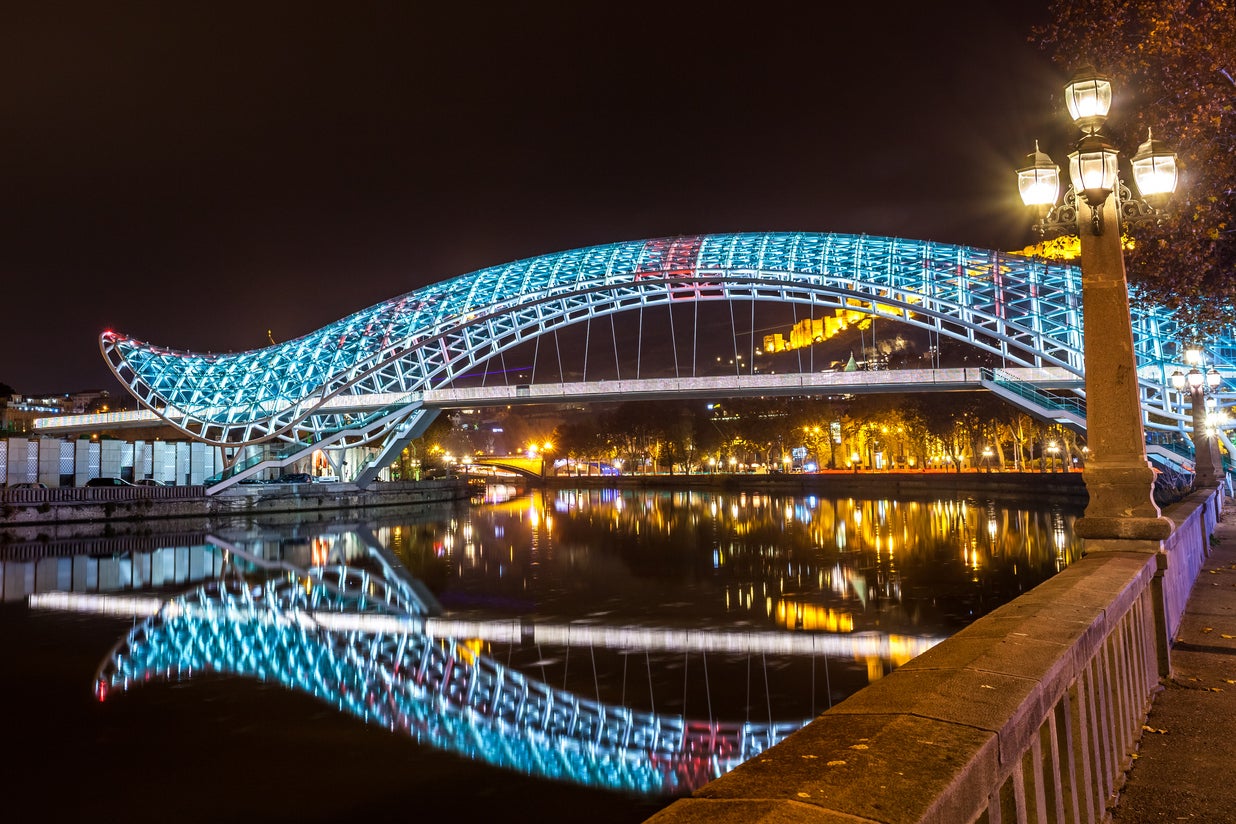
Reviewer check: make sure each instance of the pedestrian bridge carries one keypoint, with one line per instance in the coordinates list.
(694, 308)
(902, 380)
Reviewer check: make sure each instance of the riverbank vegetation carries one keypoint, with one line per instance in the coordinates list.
(957, 431)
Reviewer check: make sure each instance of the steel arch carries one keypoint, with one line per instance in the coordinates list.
(1027, 311)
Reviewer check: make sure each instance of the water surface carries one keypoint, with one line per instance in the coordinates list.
(244, 712)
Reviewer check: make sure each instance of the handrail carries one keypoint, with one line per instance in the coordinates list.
(89, 494)
(1032, 393)
(1032, 713)
(1187, 451)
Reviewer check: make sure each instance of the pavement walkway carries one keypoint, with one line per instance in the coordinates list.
(1185, 768)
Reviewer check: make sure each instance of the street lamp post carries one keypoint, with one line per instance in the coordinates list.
(811, 439)
(1119, 478)
(546, 448)
(1053, 449)
(1207, 469)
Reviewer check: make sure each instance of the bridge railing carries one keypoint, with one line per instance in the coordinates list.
(1072, 405)
(1186, 451)
(1032, 713)
(101, 494)
(1027, 390)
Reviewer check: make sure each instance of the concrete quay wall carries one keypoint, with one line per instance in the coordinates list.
(58, 507)
(1032, 713)
(1068, 485)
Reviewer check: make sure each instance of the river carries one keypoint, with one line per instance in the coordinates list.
(305, 672)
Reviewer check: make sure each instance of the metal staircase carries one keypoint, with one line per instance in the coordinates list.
(1066, 411)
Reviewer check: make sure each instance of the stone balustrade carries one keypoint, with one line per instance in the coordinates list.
(1031, 714)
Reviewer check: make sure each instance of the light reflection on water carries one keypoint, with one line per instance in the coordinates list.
(709, 559)
(672, 561)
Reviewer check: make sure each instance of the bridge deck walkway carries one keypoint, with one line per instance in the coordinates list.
(1186, 764)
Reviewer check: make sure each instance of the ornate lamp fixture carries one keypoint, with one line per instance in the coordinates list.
(1094, 168)
(1088, 96)
(1118, 476)
(1201, 387)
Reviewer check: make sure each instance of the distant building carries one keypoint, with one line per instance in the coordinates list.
(18, 411)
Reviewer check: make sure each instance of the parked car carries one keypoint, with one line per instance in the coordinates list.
(326, 479)
(107, 482)
(295, 478)
(33, 485)
(151, 482)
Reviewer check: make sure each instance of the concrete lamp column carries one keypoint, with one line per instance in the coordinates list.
(1118, 476)
(1206, 460)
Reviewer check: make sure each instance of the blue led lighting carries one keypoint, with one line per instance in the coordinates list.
(1025, 310)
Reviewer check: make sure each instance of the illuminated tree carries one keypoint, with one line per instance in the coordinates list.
(420, 451)
(1020, 431)
(579, 440)
(1173, 65)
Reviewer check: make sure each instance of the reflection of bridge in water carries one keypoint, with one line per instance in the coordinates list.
(332, 609)
(370, 644)
(438, 691)
(858, 645)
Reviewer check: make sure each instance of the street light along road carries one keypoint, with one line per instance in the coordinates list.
(1206, 460)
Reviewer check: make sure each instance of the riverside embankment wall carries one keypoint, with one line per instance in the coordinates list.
(1033, 485)
(59, 510)
(1032, 713)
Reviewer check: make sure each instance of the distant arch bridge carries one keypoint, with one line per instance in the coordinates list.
(681, 307)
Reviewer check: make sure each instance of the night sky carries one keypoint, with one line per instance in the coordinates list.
(194, 174)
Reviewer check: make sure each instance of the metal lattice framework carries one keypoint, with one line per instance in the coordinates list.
(1026, 311)
(437, 692)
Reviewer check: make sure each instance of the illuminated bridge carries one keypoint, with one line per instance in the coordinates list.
(687, 308)
(438, 691)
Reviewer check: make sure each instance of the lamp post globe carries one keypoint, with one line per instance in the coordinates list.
(1093, 167)
(1088, 96)
(1038, 181)
(1154, 169)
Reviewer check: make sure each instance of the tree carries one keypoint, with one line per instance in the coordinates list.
(418, 451)
(1019, 430)
(1173, 65)
(809, 423)
(578, 440)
